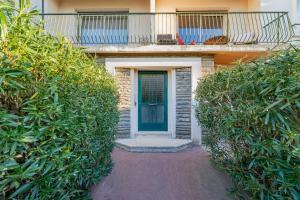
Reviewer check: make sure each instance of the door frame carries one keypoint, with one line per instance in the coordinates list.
(164, 126)
(160, 63)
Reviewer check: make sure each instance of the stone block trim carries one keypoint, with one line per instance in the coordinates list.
(207, 66)
(183, 102)
(124, 90)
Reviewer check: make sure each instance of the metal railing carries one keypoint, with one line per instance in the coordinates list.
(296, 28)
(180, 28)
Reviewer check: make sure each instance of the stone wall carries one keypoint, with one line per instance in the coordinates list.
(124, 89)
(207, 66)
(183, 102)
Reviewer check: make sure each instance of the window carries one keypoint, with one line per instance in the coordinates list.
(104, 28)
(199, 27)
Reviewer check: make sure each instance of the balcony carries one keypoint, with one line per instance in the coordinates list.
(180, 28)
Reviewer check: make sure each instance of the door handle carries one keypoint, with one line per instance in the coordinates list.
(152, 104)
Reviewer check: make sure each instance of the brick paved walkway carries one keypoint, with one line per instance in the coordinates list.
(186, 175)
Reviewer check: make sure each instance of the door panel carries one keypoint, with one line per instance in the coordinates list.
(152, 114)
(153, 97)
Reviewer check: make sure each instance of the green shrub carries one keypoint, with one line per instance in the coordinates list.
(58, 113)
(252, 114)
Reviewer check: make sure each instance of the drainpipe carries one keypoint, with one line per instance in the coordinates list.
(43, 12)
(43, 8)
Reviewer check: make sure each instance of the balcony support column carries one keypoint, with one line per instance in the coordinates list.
(152, 21)
(152, 6)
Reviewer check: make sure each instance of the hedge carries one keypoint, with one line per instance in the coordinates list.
(58, 113)
(252, 116)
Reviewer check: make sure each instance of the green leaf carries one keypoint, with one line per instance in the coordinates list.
(295, 195)
(24, 188)
(267, 118)
(298, 103)
(28, 139)
(272, 105)
(13, 149)
(251, 164)
(1, 80)
(34, 95)
(9, 165)
(15, 84)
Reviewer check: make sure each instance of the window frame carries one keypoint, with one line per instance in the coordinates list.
(204, 13)
(102, 14)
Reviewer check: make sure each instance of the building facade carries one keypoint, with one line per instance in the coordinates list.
(158, 50)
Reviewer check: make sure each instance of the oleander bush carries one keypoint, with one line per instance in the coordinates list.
(58, 112)
(252, 116)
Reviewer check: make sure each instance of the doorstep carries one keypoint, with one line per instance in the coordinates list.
(153, 144)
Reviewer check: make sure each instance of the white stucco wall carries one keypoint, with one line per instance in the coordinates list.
(188, 5)
(143, 5)
(254, 5)
(171, 5)
(37, 4)
(290, 6)
(276, 5)
(51, 6)
(99, 5)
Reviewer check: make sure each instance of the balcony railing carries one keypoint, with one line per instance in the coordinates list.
(180, 28)
(297, 29)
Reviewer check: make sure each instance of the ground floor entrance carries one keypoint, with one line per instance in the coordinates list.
(152, 101)
(157, 99)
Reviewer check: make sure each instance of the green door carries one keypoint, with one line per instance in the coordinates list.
(153, 101)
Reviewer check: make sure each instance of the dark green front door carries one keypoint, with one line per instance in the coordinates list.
(153, 101)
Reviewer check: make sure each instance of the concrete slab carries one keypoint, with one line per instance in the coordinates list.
(179, 48)
(153, 144)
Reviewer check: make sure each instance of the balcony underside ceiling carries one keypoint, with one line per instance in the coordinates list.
(222, 55)
(202, 49)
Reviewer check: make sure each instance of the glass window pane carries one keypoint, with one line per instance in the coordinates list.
(104, 29)
(152, 88)
(199, 27)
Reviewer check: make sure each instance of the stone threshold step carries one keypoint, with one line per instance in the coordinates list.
(153, 145)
